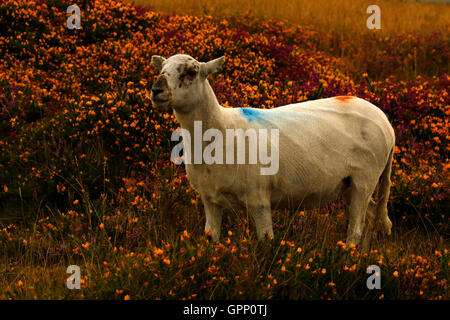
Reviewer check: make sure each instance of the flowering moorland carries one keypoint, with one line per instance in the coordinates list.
(86, 177)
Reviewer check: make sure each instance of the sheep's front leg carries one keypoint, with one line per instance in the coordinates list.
(262, 215)
(213, 219)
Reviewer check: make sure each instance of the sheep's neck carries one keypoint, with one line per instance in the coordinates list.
(207, 110)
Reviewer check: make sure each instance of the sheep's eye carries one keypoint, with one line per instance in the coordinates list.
(191, 73)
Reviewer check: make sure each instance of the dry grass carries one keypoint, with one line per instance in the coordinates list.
(344, 16)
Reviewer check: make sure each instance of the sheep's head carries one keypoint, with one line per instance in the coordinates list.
(181, 80)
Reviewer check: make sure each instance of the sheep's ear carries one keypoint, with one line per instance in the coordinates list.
(212, 66)
(158, 61)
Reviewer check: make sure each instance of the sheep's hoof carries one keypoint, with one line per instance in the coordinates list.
(210, 237)
(388, 227)
(265, 237)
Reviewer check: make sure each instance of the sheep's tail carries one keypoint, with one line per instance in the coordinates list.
(384, 187)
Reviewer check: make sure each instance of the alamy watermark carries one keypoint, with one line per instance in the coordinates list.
(74, 280)
(374, 281)
(74, 21)
(235, 147)
(374, 20)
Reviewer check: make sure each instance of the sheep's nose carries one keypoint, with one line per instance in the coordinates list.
(157, 91)
(159, 86)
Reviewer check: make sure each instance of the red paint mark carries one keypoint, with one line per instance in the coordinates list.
(343, 98)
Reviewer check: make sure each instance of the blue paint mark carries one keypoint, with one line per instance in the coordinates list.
(251, 114)
(270, 118)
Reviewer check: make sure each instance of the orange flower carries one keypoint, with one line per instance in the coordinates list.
(158, 252)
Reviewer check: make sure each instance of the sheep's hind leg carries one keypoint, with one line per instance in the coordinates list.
(213, 219)
(357, 214)
(369, 230)
(262, 215)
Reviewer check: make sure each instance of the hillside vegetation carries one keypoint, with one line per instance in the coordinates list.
(342, 32)
(86, 177)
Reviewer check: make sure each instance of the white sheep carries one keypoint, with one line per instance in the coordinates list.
(341, 146)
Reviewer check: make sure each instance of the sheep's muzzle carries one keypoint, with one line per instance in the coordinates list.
(160, 95)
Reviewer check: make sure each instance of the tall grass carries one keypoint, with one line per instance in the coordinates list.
(344, 16)
(339, 25)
